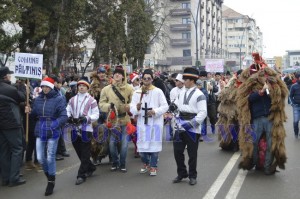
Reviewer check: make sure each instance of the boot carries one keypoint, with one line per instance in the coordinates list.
(50, 186)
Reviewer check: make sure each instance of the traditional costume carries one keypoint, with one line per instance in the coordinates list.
(149, 128)
(83, 110)
(192, 109)
(99, 149)
(258, 74)
(228, 121)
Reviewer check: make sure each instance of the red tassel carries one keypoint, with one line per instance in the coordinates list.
(130, 128)
(108, 125)
(112, 115)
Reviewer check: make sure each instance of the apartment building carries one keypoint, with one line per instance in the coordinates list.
(192, 32)
(241, 37)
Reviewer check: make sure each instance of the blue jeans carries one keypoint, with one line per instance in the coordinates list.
(117, 138)
(48, 162)
(296, 113)
(262, 125)
(150, 158)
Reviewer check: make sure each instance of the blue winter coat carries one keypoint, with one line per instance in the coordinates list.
(50, 112)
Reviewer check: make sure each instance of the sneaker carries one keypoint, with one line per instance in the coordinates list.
(123, 169)
(145, 168)
(153, 171)
(114, 168)
(96, 162)
(29, 165)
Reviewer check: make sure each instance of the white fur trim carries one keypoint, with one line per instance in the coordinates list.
(46, 83)
(137, 76)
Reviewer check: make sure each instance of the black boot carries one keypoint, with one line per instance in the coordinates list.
(50, 186)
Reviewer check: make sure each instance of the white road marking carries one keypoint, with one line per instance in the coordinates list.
(214, 189)
(237, 184)
(67, 168)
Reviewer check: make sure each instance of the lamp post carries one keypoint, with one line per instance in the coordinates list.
(196, 31)
(240, 46)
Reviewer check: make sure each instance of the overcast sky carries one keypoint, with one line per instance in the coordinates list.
(278, 20)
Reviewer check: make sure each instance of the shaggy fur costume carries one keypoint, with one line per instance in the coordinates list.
(228, 116)
(96, 86)
(278, 92)
(99, 148)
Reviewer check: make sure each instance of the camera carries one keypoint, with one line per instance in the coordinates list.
(172, 107)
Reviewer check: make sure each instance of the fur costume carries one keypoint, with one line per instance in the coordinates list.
(227, 124)
(254, 81)
(96, 86)
(99, 147)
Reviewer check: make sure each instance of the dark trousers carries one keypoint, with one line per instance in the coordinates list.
(61, 147)
(82, 146)
(181, 140)
(11, 152)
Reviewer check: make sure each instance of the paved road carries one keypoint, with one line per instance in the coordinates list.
(218, 177)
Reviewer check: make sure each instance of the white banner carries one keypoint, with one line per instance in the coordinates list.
(28, 65)
(214, 65)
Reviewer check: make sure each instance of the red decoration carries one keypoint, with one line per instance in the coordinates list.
(112, 115)
(130, 128)
(108, 125)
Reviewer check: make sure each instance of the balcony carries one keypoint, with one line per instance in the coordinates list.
(202, 18)
(202, 5)
(208, 22)
(181, 42)
(214, 26)
(208, 9)
(180, 12)
(219, 40)
(218, 18)
(208, 35)
(180, 27)
(218, 29)
(251, 36)
(214, 15)
(214, 38)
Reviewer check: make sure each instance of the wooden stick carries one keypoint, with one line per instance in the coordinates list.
(27, 104)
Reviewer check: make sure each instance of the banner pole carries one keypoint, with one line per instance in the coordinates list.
(27, 104)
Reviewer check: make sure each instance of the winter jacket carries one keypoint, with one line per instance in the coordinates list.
(10, 98)
(295, 93)
(50, 112)
(108, 96)
(259, 105)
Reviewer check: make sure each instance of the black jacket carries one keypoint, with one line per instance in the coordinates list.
(10, 98)
(295, 93)
(259, 105)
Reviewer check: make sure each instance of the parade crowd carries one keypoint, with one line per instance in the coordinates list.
(102, 113)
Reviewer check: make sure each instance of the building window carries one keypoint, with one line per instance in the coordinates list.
(186, 5)
(148, 50)
(186, 35)
(186, 20)
(186, 52)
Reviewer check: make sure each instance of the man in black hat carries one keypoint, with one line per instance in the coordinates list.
(191, 105)
(11, 148)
